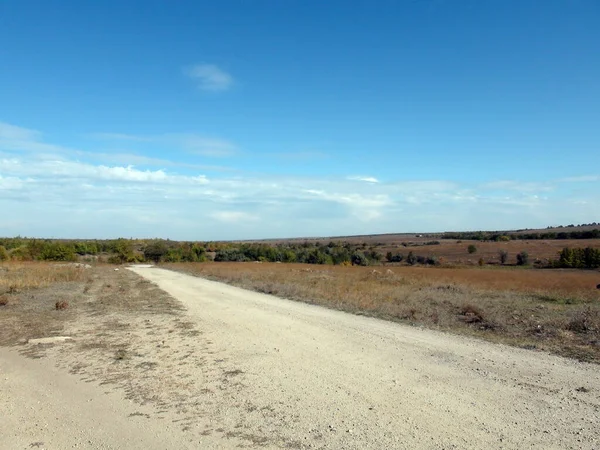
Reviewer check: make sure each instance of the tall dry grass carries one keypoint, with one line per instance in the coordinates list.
(17, 276)
(558, 311)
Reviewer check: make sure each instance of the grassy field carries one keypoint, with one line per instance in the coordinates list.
(452, 251)
(552, 310)
(17, 276)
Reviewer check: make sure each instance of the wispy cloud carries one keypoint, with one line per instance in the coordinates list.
(18, 139)
(580, 179)
(210, 77)
(120, 137)
(201, 145)
(363, 178)
(189, 142)
(233, 216)
(299, 156)
(117, 197)
(515, 185)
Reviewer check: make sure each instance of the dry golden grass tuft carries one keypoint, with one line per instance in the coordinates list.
(553, 310)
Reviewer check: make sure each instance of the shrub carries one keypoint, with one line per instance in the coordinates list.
(523, 258)
(433, 260)
(584, 321)
(470, 314)
(359, 259)
(471, 249)
(3, 253)
(411, 259)
(503, 254)
(3, 300)
(61, 304)
(481, 262)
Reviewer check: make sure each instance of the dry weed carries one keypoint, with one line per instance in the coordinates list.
(61, 304)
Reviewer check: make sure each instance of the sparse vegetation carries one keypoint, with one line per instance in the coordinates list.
(533, 308)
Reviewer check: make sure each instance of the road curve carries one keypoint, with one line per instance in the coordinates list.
(335, 380)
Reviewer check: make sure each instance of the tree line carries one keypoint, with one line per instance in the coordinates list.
(504, 236)
(578, 258)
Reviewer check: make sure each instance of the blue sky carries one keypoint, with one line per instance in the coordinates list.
(237, 120)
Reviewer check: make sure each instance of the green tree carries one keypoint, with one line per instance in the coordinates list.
(155, 251)
(471, 249)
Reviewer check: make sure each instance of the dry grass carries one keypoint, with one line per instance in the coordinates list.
(18, 276)
(37, 298)
(452, 251)
(557, 311)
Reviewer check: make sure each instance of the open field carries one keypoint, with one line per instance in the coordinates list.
(552, 310)
(453, 251)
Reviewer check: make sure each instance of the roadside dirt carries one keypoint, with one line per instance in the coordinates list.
(200, 364)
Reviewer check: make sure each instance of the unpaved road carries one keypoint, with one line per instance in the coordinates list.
(300, 376)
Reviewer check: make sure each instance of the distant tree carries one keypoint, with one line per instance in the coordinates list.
(471, 249)
(503, 254)
(155, 251)
(523, 258)
(411, 259)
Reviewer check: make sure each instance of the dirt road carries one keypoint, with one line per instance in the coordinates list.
(299, 376)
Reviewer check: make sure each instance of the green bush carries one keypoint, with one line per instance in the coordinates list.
(3, 253)
(471, 249)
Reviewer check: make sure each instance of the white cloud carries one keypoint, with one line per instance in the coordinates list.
(210, 77)
(83, 197)
(233, 216)
(52, 169)
(365, 179)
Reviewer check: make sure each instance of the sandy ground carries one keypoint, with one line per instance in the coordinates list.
(238, 369)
